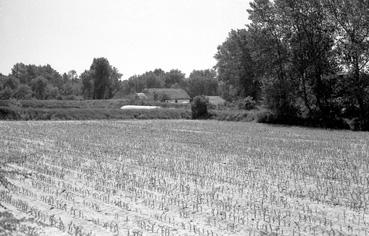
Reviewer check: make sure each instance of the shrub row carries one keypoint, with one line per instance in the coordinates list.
(268, 117)
(332, 123)
(14, 113)
(83, 104)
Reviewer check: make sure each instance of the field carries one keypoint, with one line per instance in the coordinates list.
(167, 178)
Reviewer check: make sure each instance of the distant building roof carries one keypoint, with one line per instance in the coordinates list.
(171, 94)
(216, 100)
(141, 95)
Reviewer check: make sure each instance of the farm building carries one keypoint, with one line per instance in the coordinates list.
(141, 96)
(167, 95)
(216, 100)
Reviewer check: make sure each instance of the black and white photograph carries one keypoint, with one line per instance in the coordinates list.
(184, 118)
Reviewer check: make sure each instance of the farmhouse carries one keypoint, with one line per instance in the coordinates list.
(167, 95)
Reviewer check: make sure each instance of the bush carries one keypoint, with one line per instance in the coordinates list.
(266, 117)
(70, 97)
(7, 113)
(248, 103)
(199, 107)
(233, 115)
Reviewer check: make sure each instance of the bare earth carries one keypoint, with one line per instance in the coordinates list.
(183, 178)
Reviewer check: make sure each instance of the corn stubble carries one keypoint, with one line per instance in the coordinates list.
(182, 178)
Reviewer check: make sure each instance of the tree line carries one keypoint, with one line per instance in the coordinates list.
(303, 59)
(307, 61)
(199, 82)
(101, 81)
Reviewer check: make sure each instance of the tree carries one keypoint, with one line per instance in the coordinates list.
(102, 81)
(115, 84)
(51, 92)
(10, 82)
(154, 79)
(351, 19)
(72, 75)
(101, 72)
(150, 79)
(8, 86)
(311, 40)
(235, 66)
(38, 86)
(22, 72)
(87, 85)
(271, 56)
(174, 78)
(6, 93)
(72, 85)
(38, 78)
(23, 92)
(124, 89)
(199, 107)
(202, 82)
(53, 77)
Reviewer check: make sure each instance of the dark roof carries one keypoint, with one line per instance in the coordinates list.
(172, 94)
(216, 100)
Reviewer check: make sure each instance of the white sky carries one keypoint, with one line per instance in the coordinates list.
(134, 35)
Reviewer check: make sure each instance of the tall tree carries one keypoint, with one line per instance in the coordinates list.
(352, 22)
(235, 66)
(174, 78)
(101, 72)
(270, 52)
(87, 84)
(310, 40)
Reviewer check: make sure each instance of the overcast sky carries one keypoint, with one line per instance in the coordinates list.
(134, 35)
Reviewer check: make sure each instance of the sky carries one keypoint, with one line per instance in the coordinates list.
(134, 35)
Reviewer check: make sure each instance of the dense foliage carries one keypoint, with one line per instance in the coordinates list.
(303, 59)
(101, 81)
(199, 82)
(199, 107)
